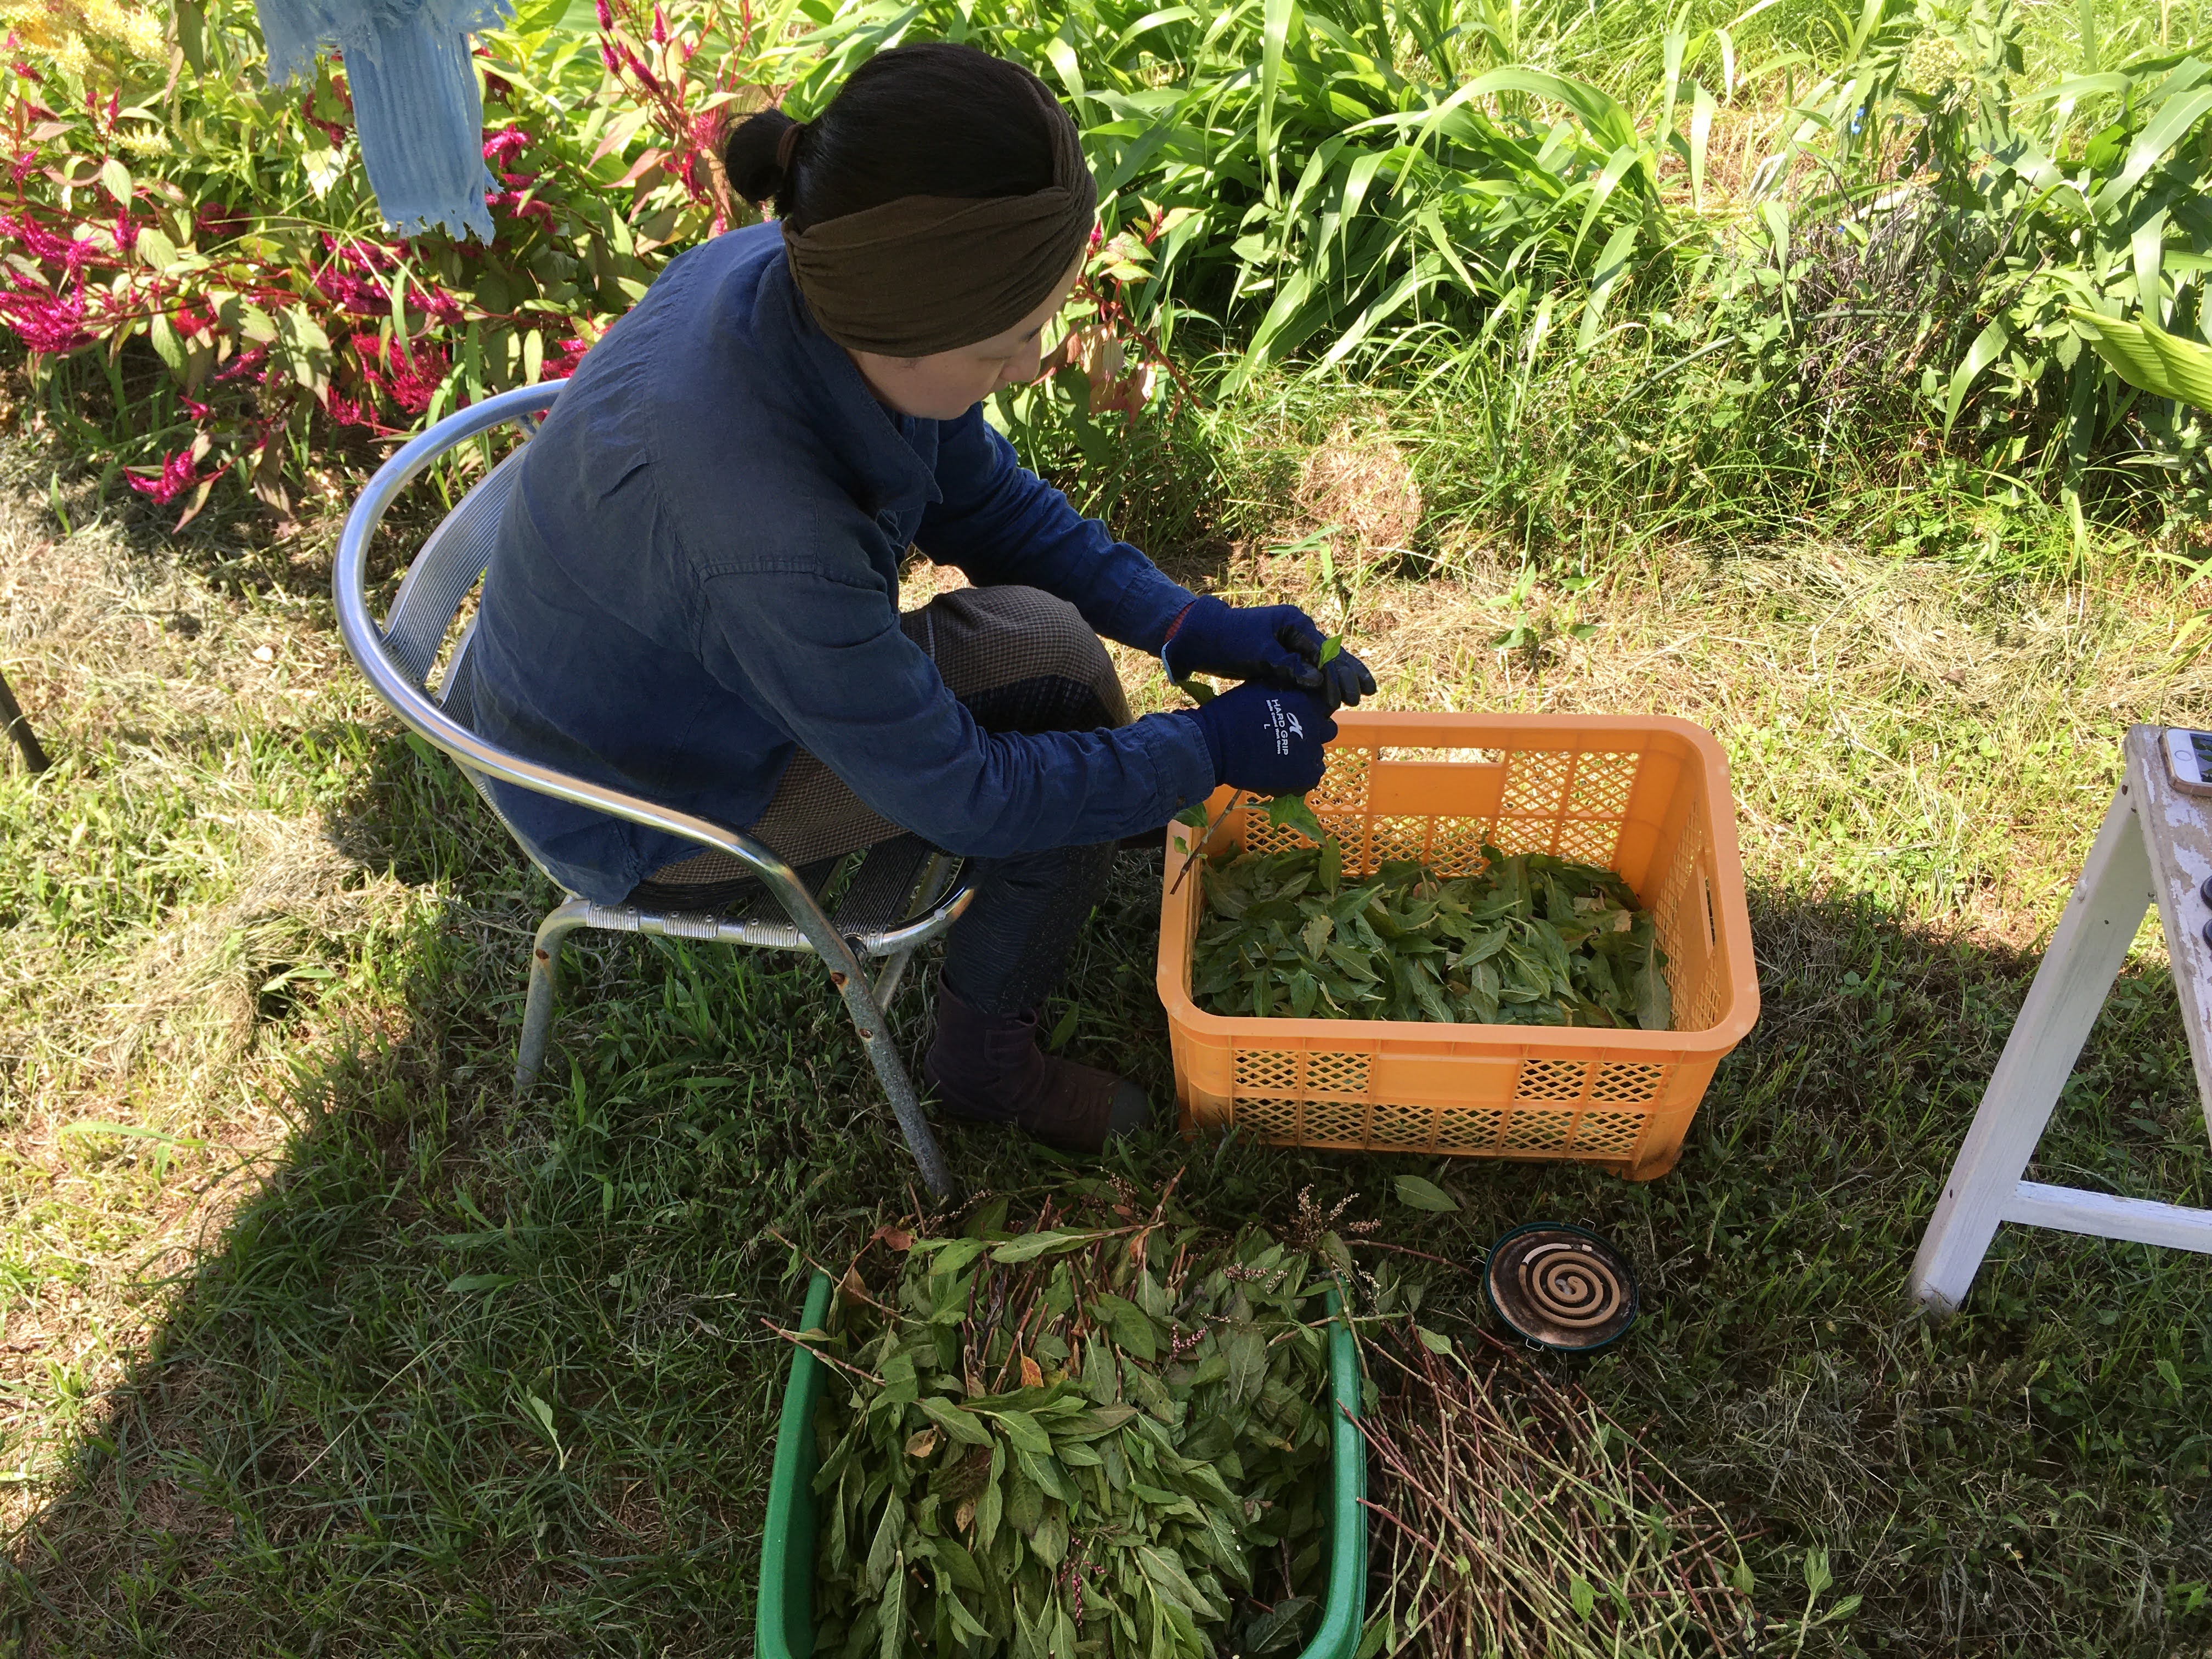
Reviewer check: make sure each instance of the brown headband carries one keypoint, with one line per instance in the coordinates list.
(924, 274)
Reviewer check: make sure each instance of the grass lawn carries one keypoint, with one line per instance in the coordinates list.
(290, 1283)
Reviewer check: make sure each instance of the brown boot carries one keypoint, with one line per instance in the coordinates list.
(988, 1068)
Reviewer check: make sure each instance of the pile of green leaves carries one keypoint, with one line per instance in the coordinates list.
(1532, 940)
(1106, 1436)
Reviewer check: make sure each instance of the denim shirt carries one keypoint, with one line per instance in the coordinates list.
(697, 574)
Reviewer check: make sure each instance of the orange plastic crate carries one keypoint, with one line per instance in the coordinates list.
(1647, 797)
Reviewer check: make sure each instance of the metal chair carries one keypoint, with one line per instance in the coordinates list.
(903, 895)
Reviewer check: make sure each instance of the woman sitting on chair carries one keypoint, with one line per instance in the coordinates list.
(694, 593)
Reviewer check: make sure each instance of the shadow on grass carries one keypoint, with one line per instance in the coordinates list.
(476, 1376)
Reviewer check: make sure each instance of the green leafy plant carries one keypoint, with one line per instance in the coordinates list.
(198, 274)
(248, 306)
(1962, 234)
(2150, 360)
(1299, 177)
(1533, 940)
(1103, 1433)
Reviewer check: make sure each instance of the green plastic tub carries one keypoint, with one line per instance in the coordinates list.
(787, 1586)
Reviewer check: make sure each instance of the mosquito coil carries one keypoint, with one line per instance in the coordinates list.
(1560, 1286)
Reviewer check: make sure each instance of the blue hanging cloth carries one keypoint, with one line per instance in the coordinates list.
(416, 103)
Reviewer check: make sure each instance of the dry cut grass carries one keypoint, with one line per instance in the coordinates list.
(182, 909)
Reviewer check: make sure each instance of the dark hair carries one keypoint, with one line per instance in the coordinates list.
(929, 119)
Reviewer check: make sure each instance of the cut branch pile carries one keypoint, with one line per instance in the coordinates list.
(1514, 1520)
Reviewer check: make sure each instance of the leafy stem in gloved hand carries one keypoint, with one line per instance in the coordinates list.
(1275, 644)
(1201, 693)
(1287, 808)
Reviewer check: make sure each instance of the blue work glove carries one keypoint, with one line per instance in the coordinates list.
(1274, 644)
(1263, 740)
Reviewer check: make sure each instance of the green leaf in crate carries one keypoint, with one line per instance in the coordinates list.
(963, 1426)
(882, 1553)
(1021, 1431)
(1655, 1003)
(1291, 812)
(1277, 1630)
(891, 1642)
(1245, 1351)
(1129, 1325)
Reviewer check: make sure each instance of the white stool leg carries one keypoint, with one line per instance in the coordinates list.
(2084, 957)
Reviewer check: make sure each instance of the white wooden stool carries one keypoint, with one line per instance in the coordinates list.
(2156, 842)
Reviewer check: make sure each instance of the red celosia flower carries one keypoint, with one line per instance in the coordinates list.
(501, 148)
(245, 364)
(512, 201)
(218, 222)
(333, 130)
(571, 357)
(360, 413)
(41, 242)
(179, 473)
(45, 321)
(352, 294)
(437, 301)
(411, 378)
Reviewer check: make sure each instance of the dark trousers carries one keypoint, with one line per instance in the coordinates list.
(1022, 661)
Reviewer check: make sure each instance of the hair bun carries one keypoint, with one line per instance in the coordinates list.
(757, 154)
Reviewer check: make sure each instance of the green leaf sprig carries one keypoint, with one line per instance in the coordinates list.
(1103, 1435)
(1284, 811)
(1531, 940)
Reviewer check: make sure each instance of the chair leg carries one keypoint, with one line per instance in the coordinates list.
(887, 983)
(544, 975)
(875, 1037)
